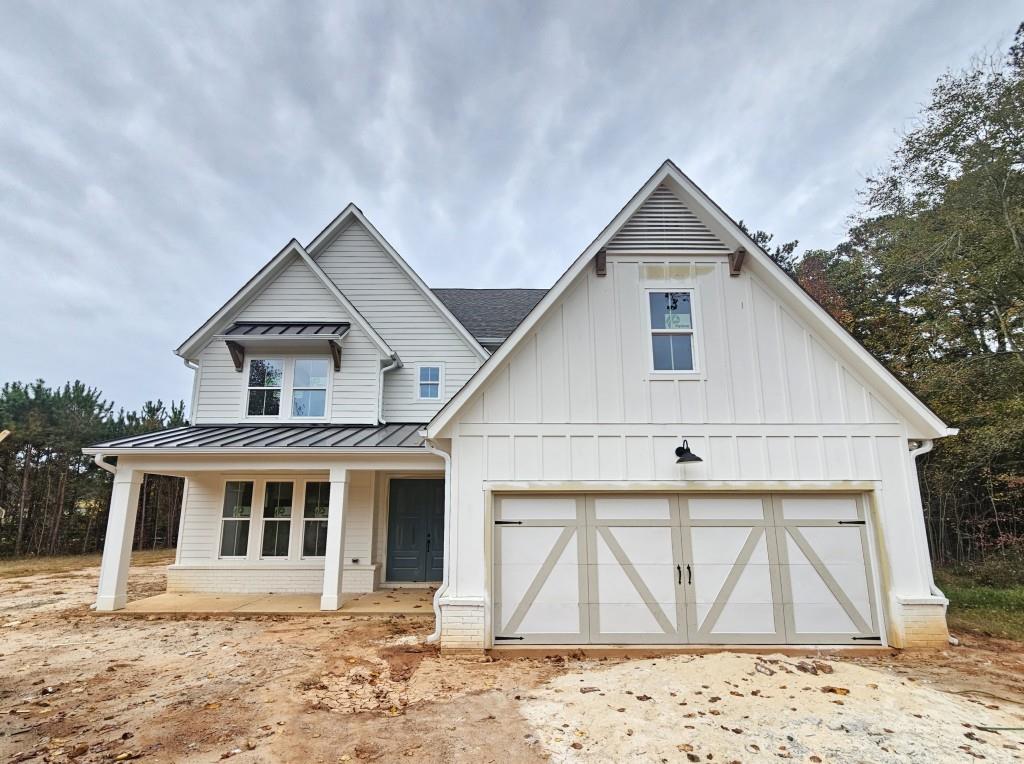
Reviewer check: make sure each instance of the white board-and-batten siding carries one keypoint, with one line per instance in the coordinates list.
(409, 322)
(578, 402)
(296, 294)
(590, 358)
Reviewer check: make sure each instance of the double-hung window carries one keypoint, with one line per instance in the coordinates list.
(429, 380)
(309, 387)
(234, 533)
(266, 379)
(672, 330)
(277, 518)
(314, 519)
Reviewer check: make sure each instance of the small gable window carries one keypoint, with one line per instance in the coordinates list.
(266, 377)
(672, 327)
(429, 381)
(309, 388)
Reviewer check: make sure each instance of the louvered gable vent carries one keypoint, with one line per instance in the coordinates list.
(663, 223)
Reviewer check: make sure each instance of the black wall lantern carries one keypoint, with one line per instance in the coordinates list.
(684, 454)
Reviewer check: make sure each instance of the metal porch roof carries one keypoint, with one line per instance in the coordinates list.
(257, 436)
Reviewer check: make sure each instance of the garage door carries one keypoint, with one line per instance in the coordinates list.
(613, 569)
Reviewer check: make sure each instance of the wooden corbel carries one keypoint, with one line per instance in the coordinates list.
(335, 353)
(237, 354)
(601, 263)
(736, 261)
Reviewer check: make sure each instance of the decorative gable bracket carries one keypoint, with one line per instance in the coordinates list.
(736, 261)
(601, 263)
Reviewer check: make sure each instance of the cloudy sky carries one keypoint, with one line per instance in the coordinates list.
(154, 155)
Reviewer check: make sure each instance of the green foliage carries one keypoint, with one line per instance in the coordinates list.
(991, 602)
(52, 497)
(931, 280)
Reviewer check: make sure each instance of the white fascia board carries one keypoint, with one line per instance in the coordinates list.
(296, 451)
(353, 213)
(925, 422)
(189, 349)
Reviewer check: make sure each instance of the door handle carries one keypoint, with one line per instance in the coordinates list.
(689, 575)
(679, 574)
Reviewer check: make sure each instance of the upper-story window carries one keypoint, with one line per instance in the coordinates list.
(309, 393)
(429, 381)
(672, 328)
(266, 378)
(296, 388)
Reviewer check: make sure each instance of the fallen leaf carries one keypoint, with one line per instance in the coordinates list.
(835, 690)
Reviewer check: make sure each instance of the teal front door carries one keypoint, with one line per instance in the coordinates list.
(415, 530)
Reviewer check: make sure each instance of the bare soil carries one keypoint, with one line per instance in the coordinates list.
(79, 687)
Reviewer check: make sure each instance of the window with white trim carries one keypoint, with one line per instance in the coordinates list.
(266, 380)
(309, 387)
(277, 518)
(314, 519)
(672, 328)
(429, 381)
(234, 524)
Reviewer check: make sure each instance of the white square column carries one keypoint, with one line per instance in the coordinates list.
(117, 546)
(334, 560)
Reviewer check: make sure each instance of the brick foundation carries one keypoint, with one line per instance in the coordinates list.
(922, 623)
(462, 626)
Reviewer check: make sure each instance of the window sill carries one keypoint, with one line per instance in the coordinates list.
(686, 375)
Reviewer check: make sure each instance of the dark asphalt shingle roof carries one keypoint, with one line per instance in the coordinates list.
(490, 314)
(233, 436)
(297, 328)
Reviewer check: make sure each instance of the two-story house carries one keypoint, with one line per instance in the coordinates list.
(674, 444)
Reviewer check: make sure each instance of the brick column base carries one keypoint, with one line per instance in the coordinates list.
(923, 622)
(463, 627)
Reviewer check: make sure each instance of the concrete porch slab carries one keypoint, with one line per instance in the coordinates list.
(381, 602)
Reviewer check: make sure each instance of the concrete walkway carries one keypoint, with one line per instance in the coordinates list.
(380, 602)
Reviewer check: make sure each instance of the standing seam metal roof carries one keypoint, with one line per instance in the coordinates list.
(298, 436)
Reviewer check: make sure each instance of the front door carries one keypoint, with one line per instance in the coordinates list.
(415, 530)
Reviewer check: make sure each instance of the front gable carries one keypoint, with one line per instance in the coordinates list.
(765, 351)
(407, 314)
(291, 289)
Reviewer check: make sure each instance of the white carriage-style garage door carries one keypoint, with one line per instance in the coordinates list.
(673, 569)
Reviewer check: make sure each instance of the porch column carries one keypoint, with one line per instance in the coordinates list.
(334, 560)
(117, 546)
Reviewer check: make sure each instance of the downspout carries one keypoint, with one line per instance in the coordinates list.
(104, 465)
(443, 588)
(396, 362)
(924, 448)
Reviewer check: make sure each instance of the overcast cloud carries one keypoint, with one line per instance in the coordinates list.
(153, 156)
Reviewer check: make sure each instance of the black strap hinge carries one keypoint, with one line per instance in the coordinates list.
(861, 639)
(508, 522)
(506, 639)
(853, 522)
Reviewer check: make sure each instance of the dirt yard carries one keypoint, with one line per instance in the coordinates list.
(85, 688)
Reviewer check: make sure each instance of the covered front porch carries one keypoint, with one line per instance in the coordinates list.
(287, 530)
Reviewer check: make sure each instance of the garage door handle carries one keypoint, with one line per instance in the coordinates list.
(689, 575)
(679, 573)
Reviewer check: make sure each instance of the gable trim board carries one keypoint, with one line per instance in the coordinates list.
(923, 423)
(190, 347)
(352, 214)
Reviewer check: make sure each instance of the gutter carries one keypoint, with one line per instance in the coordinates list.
(100, 462)
(442, 590)
(396, 363)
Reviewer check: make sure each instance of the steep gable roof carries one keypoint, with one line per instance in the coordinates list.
(352, 214)
(291, 254)
(924, 422)
(490, 314)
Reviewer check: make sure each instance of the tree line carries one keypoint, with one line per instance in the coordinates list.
(930, 279)
(54, 499)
